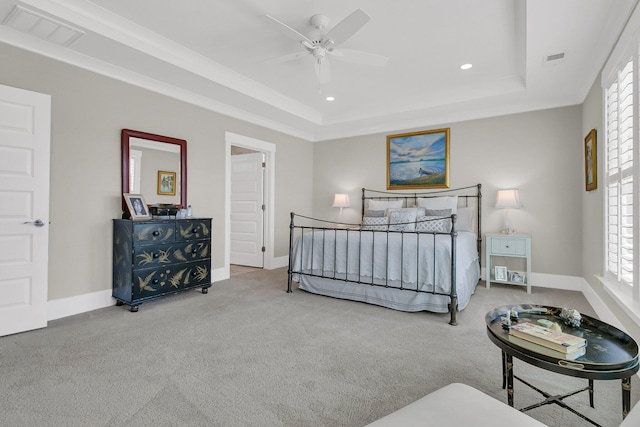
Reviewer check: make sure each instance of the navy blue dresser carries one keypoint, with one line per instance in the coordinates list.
(160, 257)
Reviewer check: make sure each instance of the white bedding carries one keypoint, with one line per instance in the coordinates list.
(406, 264)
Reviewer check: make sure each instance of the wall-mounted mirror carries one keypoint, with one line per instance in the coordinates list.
(154, 166)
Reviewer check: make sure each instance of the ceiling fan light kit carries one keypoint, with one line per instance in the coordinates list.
(323, 45)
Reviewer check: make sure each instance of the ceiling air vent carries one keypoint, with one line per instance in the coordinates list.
(555, 59)
(35, 24)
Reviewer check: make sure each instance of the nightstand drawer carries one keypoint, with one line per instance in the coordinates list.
(512, 246)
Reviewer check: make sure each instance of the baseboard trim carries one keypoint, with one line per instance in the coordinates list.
(64, 307)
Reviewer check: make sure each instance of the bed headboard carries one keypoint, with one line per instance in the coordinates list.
(470, 196)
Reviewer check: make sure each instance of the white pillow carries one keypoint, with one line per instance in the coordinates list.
(402, 220)
(375, 223)
(376, 205)
(433, 224)
(446, 202)
(466, 220)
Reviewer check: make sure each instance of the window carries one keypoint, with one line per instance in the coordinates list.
(619, 176)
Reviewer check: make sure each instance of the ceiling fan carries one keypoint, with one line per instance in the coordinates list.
(322, 45)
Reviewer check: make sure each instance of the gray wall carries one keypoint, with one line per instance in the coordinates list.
(535, 152)
(88, 113)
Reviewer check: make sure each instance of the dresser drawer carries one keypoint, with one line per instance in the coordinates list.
(152, 282)
(157, 255)
(513, 246)
(144, 233)
(193, 229)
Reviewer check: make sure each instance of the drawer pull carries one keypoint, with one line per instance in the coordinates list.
(195, 230)
(156, 255)
(194, 273)
(155, 281)
(156, 233)
(194, 251)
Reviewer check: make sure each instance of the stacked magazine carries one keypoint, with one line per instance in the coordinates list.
(546, 341)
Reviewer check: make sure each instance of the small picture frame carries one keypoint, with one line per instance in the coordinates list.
(500, 273)
(137, 206)
(516, 277)
(166, 183)
(590, 161)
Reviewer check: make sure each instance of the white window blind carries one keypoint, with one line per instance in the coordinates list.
(619, 106)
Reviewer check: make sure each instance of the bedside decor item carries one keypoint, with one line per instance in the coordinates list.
(167, 183)
(590, 161)
(508, 199)
(516, 277)
(500, 273)
(137, 207)
(418, 160)
(341, 201)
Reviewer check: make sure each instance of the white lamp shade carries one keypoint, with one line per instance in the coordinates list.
(341, 201)
(508, 199)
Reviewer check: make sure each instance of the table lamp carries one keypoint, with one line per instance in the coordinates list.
(341, 201)
(508, 199)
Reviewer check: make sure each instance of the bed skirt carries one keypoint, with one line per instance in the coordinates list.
(403, 300)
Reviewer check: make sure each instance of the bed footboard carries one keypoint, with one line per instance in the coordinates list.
(399, 261)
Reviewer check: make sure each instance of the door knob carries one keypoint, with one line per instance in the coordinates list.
(37, 223)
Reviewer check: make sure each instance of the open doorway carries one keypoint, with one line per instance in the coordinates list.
(250, 171)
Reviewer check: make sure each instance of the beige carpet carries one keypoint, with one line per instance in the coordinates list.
(249, 354)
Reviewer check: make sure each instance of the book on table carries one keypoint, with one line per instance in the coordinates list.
(559, 341)
(529, 345)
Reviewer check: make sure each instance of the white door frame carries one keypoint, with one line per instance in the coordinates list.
(269, 149)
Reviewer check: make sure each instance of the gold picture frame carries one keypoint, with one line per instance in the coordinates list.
(418, 160)
(590, 161)
(166, 183)
(137, 206)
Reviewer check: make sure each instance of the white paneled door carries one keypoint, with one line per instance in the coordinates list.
(247, 214)
(25, 128)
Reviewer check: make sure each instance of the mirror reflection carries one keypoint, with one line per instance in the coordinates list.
(151, 165)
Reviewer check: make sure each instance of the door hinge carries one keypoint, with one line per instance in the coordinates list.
(264, 249)
(264, 164)
(264, 207)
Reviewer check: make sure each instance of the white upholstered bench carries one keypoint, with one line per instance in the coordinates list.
(461, 405)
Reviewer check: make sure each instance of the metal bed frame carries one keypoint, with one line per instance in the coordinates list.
(322, 227)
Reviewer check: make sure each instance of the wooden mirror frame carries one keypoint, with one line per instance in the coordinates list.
(125, 137)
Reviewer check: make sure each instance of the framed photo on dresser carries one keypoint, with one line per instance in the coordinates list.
(137, 206)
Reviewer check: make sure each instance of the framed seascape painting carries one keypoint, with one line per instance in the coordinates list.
(590, 161)
(167, 183)
(418, 160)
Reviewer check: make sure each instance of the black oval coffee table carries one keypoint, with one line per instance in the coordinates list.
(610, 354)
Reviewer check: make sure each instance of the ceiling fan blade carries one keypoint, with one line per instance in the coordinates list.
(323, 71)
(359, 57)
(285, 58)
(347, 27)
(286, 30)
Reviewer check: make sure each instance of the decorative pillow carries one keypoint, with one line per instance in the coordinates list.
(402, 220)
(438, 212)
(433, 224)
(448, 202)
(417, 211)
(376, 205)
(375, 223)
(466, 219)
(372, 213)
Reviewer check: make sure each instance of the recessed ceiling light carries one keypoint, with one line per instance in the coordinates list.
(466, 66)
(330, 98)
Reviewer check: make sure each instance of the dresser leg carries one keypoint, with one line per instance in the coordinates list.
(134, 309)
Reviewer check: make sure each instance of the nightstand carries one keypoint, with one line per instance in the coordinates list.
(508, 246)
